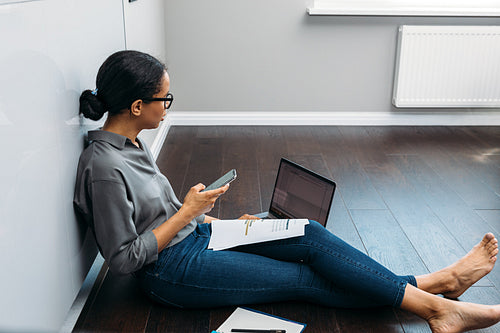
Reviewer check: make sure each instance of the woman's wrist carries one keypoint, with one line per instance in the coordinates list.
(186, 214)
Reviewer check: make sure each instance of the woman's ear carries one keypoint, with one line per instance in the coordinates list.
(136, 107)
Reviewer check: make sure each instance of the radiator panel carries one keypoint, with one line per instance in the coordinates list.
(447, 66)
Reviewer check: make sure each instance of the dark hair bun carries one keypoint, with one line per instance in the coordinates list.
(90, 106)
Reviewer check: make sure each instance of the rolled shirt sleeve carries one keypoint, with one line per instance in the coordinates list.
(200, 219)
(125, 249)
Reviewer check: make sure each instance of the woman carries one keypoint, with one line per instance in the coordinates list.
(142, 228)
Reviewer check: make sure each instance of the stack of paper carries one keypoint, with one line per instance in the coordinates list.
(231, 233)
(243, 318)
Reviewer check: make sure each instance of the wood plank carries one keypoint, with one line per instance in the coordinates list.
(476, 138)
(205, 165)
(311, 161)
(271, 147)
(388, 139)
(357, 190)
(175, 155)
(357, 139)
(317, 318)
(431, 239)
(492, 132)
(489, 136)
(472, 155)
(340, 222)
(462, 221)
(412, 323)
(239, 151)
(218, 316)
(472, 190)
(376, 320)
(495, 159)
(373, 149)
(300, 140)
(173, 320)
(386, 242)
(486, 169)
(492, 217)
(369, 155)
(119, 306)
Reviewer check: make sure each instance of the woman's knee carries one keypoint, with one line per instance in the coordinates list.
(315, 228)
(317, 234)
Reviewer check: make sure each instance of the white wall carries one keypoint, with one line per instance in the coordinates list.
(51, 51)
(262, 56)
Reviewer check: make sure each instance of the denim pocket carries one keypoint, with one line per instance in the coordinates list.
(204, 230)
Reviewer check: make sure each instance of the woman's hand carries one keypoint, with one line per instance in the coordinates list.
(248, 217)
(197, 202)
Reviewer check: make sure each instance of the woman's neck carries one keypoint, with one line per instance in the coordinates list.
(116, 124)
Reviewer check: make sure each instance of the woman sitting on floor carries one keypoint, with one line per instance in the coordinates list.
(142, 228)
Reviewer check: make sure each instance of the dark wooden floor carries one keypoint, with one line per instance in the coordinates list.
(414, 198)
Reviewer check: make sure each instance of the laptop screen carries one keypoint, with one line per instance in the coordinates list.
(301, 193)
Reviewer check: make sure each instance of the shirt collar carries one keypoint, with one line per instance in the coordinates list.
(116, 140)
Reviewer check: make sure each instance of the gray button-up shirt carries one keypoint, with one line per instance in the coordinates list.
(122, 195)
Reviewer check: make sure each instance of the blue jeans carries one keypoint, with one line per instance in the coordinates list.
(318, 267)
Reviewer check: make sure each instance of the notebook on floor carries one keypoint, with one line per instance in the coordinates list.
(300, 193)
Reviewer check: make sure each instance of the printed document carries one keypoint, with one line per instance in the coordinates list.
(252, 319)
(230, 233)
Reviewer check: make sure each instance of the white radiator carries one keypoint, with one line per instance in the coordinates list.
(447, 66)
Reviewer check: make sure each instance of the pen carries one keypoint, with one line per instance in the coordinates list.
(250, 330)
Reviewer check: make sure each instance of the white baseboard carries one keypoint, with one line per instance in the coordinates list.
(398, 118)
(160, 137)
(94, 278)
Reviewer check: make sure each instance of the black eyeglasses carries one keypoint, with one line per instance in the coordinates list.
(167, 100)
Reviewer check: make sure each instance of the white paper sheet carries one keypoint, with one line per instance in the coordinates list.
(247, 318)
(231, 233)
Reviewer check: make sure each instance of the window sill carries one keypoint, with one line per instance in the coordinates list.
(344, 10)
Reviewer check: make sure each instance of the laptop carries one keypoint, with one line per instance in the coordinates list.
(300, 193)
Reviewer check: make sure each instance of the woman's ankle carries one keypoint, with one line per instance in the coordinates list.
(439, 282)
(423, 304)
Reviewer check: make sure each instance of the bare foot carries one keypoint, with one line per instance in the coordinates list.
(472, 267)
(460, 317)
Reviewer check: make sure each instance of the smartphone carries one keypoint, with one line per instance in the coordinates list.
(224, 180)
